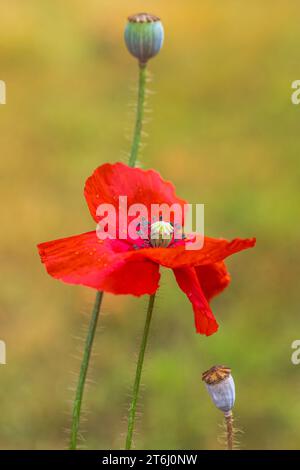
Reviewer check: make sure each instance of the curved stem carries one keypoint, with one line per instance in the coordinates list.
(83, 370)
(139, 367)
(136, 141)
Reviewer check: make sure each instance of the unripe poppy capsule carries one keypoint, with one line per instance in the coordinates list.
(144, 35)
(161, 234)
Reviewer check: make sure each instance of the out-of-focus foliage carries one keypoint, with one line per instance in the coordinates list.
(225, 132)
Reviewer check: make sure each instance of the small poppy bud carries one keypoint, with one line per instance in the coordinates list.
(220, 386)
(144, 35)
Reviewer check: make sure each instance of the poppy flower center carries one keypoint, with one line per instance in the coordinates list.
(161, 234)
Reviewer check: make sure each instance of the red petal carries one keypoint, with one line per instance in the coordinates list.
(188, 281)
(108, 182)
(214, 278)
(214, 250)
(104, 265)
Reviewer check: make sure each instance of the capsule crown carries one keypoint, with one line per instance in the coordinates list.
(143, 18)
(216, 374)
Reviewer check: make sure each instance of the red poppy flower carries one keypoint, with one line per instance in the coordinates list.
(127, 266)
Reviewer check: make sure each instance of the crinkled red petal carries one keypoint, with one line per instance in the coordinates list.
(107, 265)
(110, 181)
(213, 251)
(188, 282)
(214, 278)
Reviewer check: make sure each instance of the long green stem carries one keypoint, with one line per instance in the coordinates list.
(96, 309)
(132, 161)
(139, 367)
(84, 369)
(137, 135)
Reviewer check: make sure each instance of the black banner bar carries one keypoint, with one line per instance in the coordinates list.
(136, 459)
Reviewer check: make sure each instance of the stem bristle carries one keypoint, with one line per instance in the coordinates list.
(223, 438)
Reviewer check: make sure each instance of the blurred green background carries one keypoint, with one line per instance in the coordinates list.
(224, 130)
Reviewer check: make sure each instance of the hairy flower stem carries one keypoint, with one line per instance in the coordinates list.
(138, 373)
(97, 305)
(132, 161)
(84, 369)
(139, 115)
(229, 431)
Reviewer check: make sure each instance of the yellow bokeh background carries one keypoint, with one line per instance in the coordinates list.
(224, 130)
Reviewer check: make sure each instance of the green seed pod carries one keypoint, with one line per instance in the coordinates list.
(144, 35)
(161, 234)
